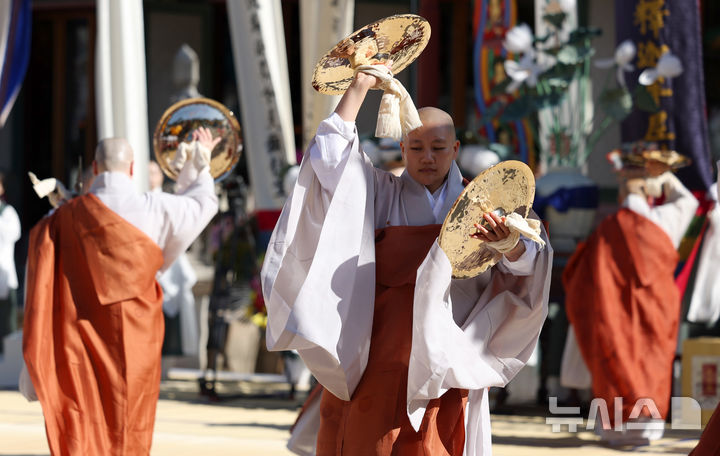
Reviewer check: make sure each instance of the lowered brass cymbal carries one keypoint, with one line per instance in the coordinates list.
(504, 188)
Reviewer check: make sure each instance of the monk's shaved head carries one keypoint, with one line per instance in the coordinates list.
(436, 117)
(430, 150)
(114, 154)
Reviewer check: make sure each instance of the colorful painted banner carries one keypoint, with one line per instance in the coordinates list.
(657, 26)
(15, 26)
(491, 20)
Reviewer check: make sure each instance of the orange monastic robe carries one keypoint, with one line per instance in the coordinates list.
(622, 301)
(375, 420)
(93, 330)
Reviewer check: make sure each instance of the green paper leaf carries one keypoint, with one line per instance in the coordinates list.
(517, 110)
(555, 19)
(644, 100)
(617, 103)
(501, 88)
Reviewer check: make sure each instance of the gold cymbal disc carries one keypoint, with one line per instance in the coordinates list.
(400, 38)
(504, 188)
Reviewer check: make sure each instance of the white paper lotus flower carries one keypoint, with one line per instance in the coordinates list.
(519, 39)
(668, 66)
(624, 54)
(523, 71)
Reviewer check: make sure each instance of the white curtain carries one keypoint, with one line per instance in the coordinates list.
(323, 23)
(258, 44)
(120, 86)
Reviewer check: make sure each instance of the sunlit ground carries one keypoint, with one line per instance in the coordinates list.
(255, 420)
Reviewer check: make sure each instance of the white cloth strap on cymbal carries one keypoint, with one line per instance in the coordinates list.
(397, 115)
(518, 225)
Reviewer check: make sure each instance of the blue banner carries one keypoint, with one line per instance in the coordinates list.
(657, 26)
(15, 27)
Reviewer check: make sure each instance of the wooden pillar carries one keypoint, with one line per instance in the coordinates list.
(428, 76)
(461, 31)
(58, 101)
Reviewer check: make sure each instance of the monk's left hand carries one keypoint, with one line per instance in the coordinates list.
(497, 231)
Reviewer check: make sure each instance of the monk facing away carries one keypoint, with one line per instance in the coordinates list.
(355, 281)
(93, 327)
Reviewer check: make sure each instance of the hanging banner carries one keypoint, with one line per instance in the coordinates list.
(258, 43)
(15, 27)
(657, 26)
(323, 23)
(491, 20)
(120, 80)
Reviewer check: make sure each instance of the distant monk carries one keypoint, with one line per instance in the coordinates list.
(623, 303)
(93, 326)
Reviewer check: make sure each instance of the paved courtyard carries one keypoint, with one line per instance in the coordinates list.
(249, 423)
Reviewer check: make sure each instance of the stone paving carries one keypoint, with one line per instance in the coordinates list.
(252, 422)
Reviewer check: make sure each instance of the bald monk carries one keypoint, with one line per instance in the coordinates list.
(405, 367)
(93, 327)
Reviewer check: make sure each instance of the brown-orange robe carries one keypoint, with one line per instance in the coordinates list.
(93, 330)
(621, 298)
(375, 420)
(709, 444)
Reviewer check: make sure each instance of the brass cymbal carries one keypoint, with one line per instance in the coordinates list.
(504, 188)
(182, 118)
(400, 38)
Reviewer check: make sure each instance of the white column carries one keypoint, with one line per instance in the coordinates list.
(120, 85)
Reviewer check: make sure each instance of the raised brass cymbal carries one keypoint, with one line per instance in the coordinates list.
(400, 38)
(504, 188)
(182, 118)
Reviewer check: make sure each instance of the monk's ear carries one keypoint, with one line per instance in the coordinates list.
(95, 168)
(132, 166)
(456, 149)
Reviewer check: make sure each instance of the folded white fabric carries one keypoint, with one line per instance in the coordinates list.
(52, 188)
(397, 115)
(518, 225)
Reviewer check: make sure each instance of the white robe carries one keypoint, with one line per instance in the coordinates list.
(9, 235)
(319, 285)
(705, 301)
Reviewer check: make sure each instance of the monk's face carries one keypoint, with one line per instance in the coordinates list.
(429, 151)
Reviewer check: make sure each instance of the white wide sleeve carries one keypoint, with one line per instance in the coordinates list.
(705, 301)
(674, 215)
(318, 276)
(492, 345)
(186, 214)
(9, 226)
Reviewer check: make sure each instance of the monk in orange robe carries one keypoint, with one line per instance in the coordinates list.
(404, 370)
(93, 327)
(623, 303)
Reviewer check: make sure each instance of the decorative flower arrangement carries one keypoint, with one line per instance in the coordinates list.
(255, 311)
(544, 71)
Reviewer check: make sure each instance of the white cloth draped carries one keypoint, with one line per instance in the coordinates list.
(319, 285)
(257, 37)
(323, 23)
